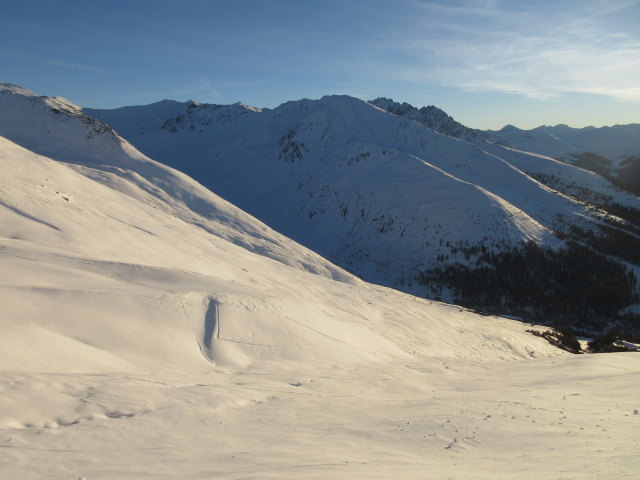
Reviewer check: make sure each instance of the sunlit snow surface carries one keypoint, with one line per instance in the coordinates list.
(568, 418)
(150, 329)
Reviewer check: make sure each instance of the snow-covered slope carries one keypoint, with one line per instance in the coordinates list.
(150, 329)
(375, 192)
(112, 259)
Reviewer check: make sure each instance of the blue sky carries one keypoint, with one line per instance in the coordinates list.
(485, 62)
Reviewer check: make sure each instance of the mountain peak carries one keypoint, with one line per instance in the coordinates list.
(430, 116)
(248, 107)
(16, 89)
(390, 104)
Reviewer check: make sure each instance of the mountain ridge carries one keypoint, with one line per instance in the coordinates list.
(383, 195)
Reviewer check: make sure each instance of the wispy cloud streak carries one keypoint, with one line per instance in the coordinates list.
(54, 62)
(487, 45)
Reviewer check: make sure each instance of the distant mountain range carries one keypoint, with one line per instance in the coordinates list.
(412, 199)
(613, 152)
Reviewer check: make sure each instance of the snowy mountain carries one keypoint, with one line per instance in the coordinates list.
(613, 152)
(431, 117)
(616, 144)
(99, 240)
(380, 194)
(610, 151)
(150, 329)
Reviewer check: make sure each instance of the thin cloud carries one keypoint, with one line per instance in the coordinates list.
(55, 62)
(485, 8)
(202, 90)
(522, 52)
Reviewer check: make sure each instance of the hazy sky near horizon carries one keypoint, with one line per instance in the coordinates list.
(487, 63)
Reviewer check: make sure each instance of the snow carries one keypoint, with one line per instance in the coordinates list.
(375, 192)
(431, 117)
(106, 271)
(150, 329)
(615, 143)
(570, 417)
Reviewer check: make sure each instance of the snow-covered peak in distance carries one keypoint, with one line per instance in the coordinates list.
(170, 115)
(605, 150)
(613, 152)
(615, 143)
(60, 103)
(431, 117)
